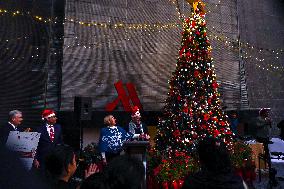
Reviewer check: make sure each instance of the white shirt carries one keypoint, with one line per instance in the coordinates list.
(49, 128)
(15, 128)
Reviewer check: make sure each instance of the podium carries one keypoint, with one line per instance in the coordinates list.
(138, 149)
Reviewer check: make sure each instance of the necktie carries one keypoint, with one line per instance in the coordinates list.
(51, 133)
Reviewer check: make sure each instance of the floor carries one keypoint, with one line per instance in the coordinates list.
(277, 163)
(264, 183)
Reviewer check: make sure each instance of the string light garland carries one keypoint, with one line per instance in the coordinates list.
(20, 13)
(246, 44)
(231, 43)
(139, 26)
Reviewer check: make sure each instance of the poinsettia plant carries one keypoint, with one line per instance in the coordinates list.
(175, 167)
(171, 167)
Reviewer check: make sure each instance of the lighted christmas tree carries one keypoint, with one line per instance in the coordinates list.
(193, 108)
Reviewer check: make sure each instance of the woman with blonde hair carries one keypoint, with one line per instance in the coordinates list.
(112, 138)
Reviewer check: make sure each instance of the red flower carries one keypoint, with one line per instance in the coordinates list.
(229, 132)
(215, 85)
(185, 110)
(222, 123)
(209, 101)
(176, 133)
(178, 97)
(214, 119)
(196, 73)
(157, 170)
(181, 52)
(188, 54)
(206, 117)
(216, 133)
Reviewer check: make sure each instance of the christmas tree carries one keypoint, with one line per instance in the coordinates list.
(193, 108)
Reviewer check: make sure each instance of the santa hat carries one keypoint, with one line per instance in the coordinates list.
(47, 114)
(135, 112)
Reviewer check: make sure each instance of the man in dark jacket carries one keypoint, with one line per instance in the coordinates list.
(51, 135)
(15, 120)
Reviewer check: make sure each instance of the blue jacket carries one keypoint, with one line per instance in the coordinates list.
(112, 138)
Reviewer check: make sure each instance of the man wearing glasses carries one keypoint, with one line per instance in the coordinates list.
(51, 135)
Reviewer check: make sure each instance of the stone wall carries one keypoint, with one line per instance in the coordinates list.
(262, 27)
(98, 51)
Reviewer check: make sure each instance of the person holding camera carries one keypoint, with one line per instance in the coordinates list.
(263, 125)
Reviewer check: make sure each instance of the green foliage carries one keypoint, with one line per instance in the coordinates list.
(241, 154)
(91, 154)
(175, 167)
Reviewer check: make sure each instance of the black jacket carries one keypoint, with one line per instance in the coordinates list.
(209, 180)
(5, 130)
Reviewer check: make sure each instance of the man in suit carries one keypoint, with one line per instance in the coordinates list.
(51, 135)
(15, 120)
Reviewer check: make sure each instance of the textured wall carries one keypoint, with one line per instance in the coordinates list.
(145, 57)
(262, 26)
(23, 54)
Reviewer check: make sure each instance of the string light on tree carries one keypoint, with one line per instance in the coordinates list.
(193, 108)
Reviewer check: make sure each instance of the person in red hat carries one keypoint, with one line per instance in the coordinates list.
(136, 127)
(51, 135)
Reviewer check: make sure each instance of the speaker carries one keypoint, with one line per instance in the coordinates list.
(83, 108)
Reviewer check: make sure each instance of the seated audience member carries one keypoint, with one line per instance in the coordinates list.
(124, 172)
(216, 170)
(136, 127)
(111, 139)
(60, 166)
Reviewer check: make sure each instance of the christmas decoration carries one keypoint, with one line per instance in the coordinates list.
(193, 109)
